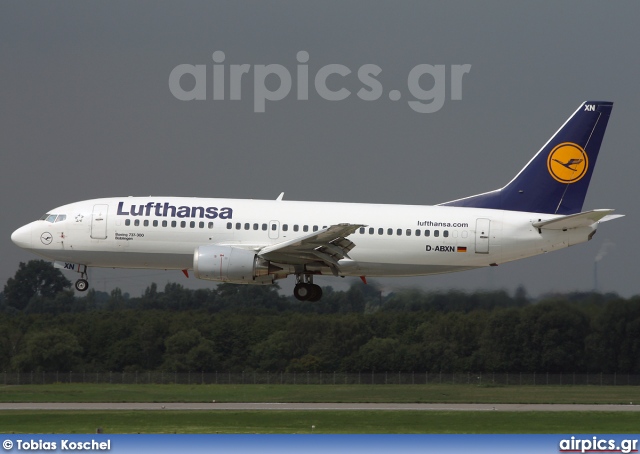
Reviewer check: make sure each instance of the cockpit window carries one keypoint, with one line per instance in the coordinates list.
(52, 217)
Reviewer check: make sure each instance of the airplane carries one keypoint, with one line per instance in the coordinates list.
(261, 241)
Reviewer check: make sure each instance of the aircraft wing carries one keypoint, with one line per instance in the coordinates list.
(328, 245)
(574, 221)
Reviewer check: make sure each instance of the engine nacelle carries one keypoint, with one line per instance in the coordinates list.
(232, 264)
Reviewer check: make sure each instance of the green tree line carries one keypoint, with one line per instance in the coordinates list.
(45, 327)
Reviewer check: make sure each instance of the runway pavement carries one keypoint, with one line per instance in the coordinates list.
(214, 406)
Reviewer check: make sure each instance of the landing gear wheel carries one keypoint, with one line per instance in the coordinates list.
(307, 292)
(316, 293)
(302, 291)
(82, 285)
(305, 289)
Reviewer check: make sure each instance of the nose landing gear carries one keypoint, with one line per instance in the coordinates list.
(305, 289)
(82, 284)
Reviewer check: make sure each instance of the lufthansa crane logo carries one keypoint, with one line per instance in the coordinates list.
(46, 238)
(567, 163)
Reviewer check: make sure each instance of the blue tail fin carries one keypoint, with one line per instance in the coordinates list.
(557, 178)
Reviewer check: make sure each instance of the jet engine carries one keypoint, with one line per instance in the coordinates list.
(232, 264)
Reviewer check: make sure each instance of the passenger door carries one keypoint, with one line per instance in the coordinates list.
(482, 235)
(99, 222)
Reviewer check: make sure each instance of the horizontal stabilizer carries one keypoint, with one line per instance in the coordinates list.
(611, 217)
(574, 221)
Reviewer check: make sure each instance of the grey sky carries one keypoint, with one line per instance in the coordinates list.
(86, 112)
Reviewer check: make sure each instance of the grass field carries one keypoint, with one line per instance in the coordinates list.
(368, 422)
(365, 422)
(436, 393)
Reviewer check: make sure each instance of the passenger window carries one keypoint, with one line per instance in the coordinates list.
(146, 222)
(418, 232)
(192, 224)
(247, 226)
(136, 222)
(408, 232)
(229, 225)
(211, 225)
(380, 231)
(285, 227)
(174, 223)
(389, 231)
(127, 222)
(183, 224)
(436, 233)
(371, 230)
(427, 233)
(399, 232)
(255, 226)
(305, 228)
(164, 223)
(201, 225)
(274, 227)
(238, 226)
(295, 228)
(264, 227)
(315, 229)
(445, 234)
(155, 223)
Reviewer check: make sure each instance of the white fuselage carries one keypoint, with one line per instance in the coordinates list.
(398, 240)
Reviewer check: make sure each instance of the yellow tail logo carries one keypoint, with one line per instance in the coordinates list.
(567, 163)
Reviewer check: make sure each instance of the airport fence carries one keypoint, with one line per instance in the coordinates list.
(319, 378)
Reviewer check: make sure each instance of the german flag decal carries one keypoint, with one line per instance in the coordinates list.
(462, 249)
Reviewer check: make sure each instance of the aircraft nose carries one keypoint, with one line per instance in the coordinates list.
(22, 237)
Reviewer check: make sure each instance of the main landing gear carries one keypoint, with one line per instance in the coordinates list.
(305, 289)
